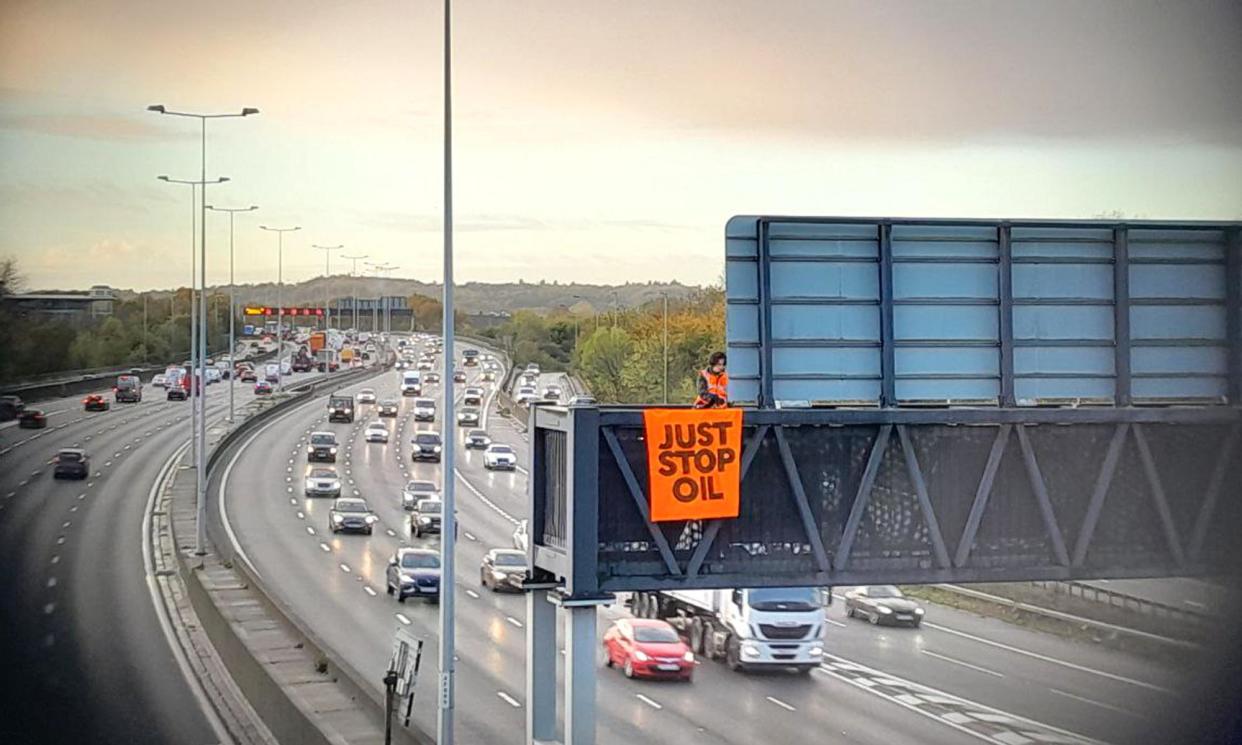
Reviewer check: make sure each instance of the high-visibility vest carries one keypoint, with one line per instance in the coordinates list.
(717, 385)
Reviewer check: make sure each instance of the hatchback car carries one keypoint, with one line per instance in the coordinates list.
(71, 463)
(499, 458)
(503, 569)
(377, 432)
(552, 393)
(426, 446)
(323, 482)
(415, 491)
(321, 448)
(432, 377)
(883, 604)
(32, 419)
(648, 648)
(178, 393)
(351, 515)
(414, 572)
(262, 388)
(366, 396)
(426, 517)
(159, 380)
(388, 407)
(95, 402)
(477, 439)
(247, 375)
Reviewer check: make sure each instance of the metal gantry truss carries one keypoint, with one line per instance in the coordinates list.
(879, 496)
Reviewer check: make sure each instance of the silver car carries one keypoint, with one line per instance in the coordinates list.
(415, 491)
(322, 482)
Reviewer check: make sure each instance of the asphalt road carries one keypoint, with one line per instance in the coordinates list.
(85, 659)
(994, 674)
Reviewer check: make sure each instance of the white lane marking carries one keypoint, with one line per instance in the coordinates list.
(51, 581)
(835, 623)
(472, 594)
(292, 500)
(326, 548)
(73, 508)
(1194, 604)
(22, 483)
(56, 559)
(470, 536)
(513, 621)
(301, 515)
(310, 530)
(1093, 702)
(47, 609)
(401, 617)
(367, 589)
(60, 540)
(65, 524)
(495, 507)
(1053, 660)
(344, 568)
(648, 701)
(955, 661)
(391, 534)
(509, 699)
(782, 704)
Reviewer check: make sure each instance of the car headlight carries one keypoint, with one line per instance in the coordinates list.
(332, 450)
(688, 656)
(885, 609)
(750, 650)
(337, 519)
(918, 611)
(816, 651)
(435, 449)
(499, 574)
(424, 521)
(640, 655)
(370, 519)
(310, 449)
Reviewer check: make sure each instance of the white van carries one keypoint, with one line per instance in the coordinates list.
(411, 383)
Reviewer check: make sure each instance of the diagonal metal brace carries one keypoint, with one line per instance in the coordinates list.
(1208, 510)
(801, 502)
(920, 488)
(640, 501)
(1158, 498)
(709, 535)
(864, 495)
(982, 495)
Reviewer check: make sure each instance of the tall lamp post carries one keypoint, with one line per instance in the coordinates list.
(327, 273)
(232, 301)
(201, 464)
(352, 273)
(198, 391)
(665, 294)
(448, 595)
(280, 304)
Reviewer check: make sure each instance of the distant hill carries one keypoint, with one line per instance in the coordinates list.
(470, 298)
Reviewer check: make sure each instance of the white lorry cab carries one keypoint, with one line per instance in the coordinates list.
(763, 628)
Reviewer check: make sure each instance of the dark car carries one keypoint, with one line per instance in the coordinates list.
(95, 402)
(883, 604)
(321, 448)
(477, 439)
(340, 408)
(426, 517)
(71, 463)
(459, 376)
(32, 419)
(351, 515)
(128, 389)
(10, 407)
(388, 407)
(177, 393)
(426, 446)
(503, 569)
(414, 572)
(431, 377)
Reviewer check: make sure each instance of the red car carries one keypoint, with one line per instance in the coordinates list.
(262, 388)
(95, 402)
(648, 648)
(32, 419)
(247, 375)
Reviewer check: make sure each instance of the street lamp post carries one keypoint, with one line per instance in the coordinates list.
(280, 305)
(327, 273)
(232, 302)
(200, 464)
(352, 273)
(665, 294)
(448, 638)
(198, 392)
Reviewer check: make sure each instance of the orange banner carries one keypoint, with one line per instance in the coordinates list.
(694, 469)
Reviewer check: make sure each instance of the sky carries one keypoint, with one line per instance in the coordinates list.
(593, 141)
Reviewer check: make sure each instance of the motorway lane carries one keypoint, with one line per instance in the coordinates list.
(491, 640)
(81, 639)
(79, 621)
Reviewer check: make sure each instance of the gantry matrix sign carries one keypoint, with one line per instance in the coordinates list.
(693, 463)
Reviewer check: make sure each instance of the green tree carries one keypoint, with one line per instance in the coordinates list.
(602, 360)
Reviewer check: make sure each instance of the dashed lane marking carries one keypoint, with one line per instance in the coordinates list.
(509, 699)
(648, 701)
(513, 621)
(782, 704)
(472, 594)
(401, 617)
(367, 589)
(325, 547)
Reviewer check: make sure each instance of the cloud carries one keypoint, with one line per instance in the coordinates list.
(91, 126)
